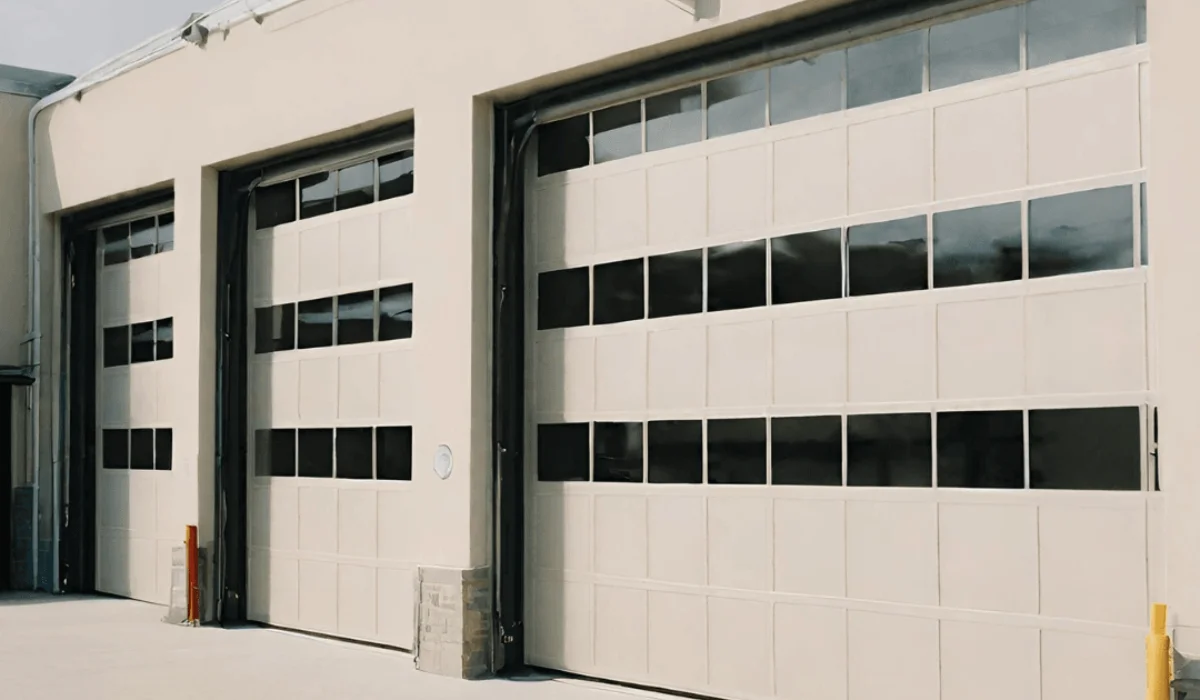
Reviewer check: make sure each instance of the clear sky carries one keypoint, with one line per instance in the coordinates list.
(72, 36)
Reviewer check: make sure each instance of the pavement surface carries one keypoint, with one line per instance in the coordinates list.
(58, 648)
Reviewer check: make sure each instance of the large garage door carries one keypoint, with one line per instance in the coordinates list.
(838, 370)
(138, 517)
(330, 401)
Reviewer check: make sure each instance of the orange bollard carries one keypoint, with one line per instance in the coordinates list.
(193, 575)
(1158, 655)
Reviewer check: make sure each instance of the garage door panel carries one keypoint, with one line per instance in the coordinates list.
(358, 387)
(678, 368)
(397, 381)
(810, 651)
(739, 543)
(739, 362)
(114, 400)
(396, 239)
(276, 266)
(563, 634)
(356, 601)
(677, 210)
(810, 177)
(677, 547)
(737, 191)
(395, 601)
(810, 547)
(115, 575)
(318, 599)
(622, 631)
(358, 243)
(357, 522)
(143, 393)
(888, 653)
(397, 525)
(114, 293)
(144, 289)
(565, 379)
(143, 504)
(113, 498)
(679, 639)
(739, 646)
(563, 533)
(621, 212)
(143, 560)
(318, 387)
(620, 373)
(318, 518)
(318, 260)
(283, 589)
(621, 536)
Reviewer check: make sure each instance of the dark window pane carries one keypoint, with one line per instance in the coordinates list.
(275, 452)
(393, 453)
(806, 267)
(1081, 232)
(1145, 227)
(1141, 22)
(673, 119)
(356, 318)
(1064, 29)
(620, 294)
(355, 453)
(737, 451)
(889, 450)
(981, 450)
(275, 328)
(806, 451)
(675, 451)
(977, 246)
(677, 283)
(396, 312)
(142, 238)
(618, 452)
(164, 329)
(116, 346)
(563, 452)
(142, 342)
(1091, 449)
(166, 233)
(886, 69)
(315, 452)
(116, 244)
(737, 276)
(116, 449)
(887, 257)
(275, 205)
(141, 448)
(563, 298)
(316, 194)
(618, 131)
(807, 87)
(737, 103)
(164, 457)
(315, 324)
(356, 185)
(974, 48)
(563, 145)
(396, 174)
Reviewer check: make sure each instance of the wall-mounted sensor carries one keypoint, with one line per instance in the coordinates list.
(193, 31)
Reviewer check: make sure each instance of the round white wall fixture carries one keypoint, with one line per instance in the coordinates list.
(443, 462)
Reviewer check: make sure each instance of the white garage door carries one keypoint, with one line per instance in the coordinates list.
(839, 371)
(331, 414)
(138, 520)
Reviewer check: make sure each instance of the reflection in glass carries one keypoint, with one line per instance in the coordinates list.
(315, 453)
(275, 328)
(737, 276)
(116, 449)
(889, 450)
(677, 283)
(977, 246)
(1059, 30)
(563, 452)
(396, 312)
(141, 448)
(1141, 21)
(888, 256)
(396, 175)
(806, 451)
(356, 185)
(886, 69)
(981, 449)
(563, 145)
(974, 48)
(164, 337)
(356, 318)
(355, 453)
(1093, 449)
(617, 132)
(393, 453)
(1081, 232)
(316, 194)
(620, 292)
(737, 451)
(315, 323)
(116, 244)
(166, 232)
(164, 441)
(275, 452)
(618, 452)
(275, 205)
(737, 103)
(141, 238)
(675, 450)
(116, 346)
(673, 118)
(806, 267)
(563, 298)
(807, 87)
(142, 342)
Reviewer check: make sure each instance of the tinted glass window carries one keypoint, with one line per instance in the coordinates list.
(396, 174)
(1059, 30)
(620, 294)
(806, 451)
(737, 276)
(164, 335)
(142, 238)
(116, 244)
(807, 87)
(737, 451)
(673, 118)
(275, 452)
(737, 103)
(563, 298)
(806, 267)
(1081, 232)
(356, 318)
(396, 312)
(141, 448)
(116, 346)
(275, 328)
(981, 450)
(1145, 227)
(166, 233)
(275, 205)
(116, 449)
(142, 342)
(355, 453)
(618, 452)
(974, 48)
(393, 453)
(316, 194)
(618, 131)
(563, 450)
(976, 246)
(677, 284)
(889, 450)
(1141, 20)
(563, 145)
(887, 257)
(356, 185)
(1096, 449)
(164, 441)
(316, 452)
(886, 69)
(315, 323)
(675, 450)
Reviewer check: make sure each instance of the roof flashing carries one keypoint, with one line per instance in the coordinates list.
(30, 83)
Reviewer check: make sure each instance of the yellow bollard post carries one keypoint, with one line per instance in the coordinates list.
(1158, 655)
